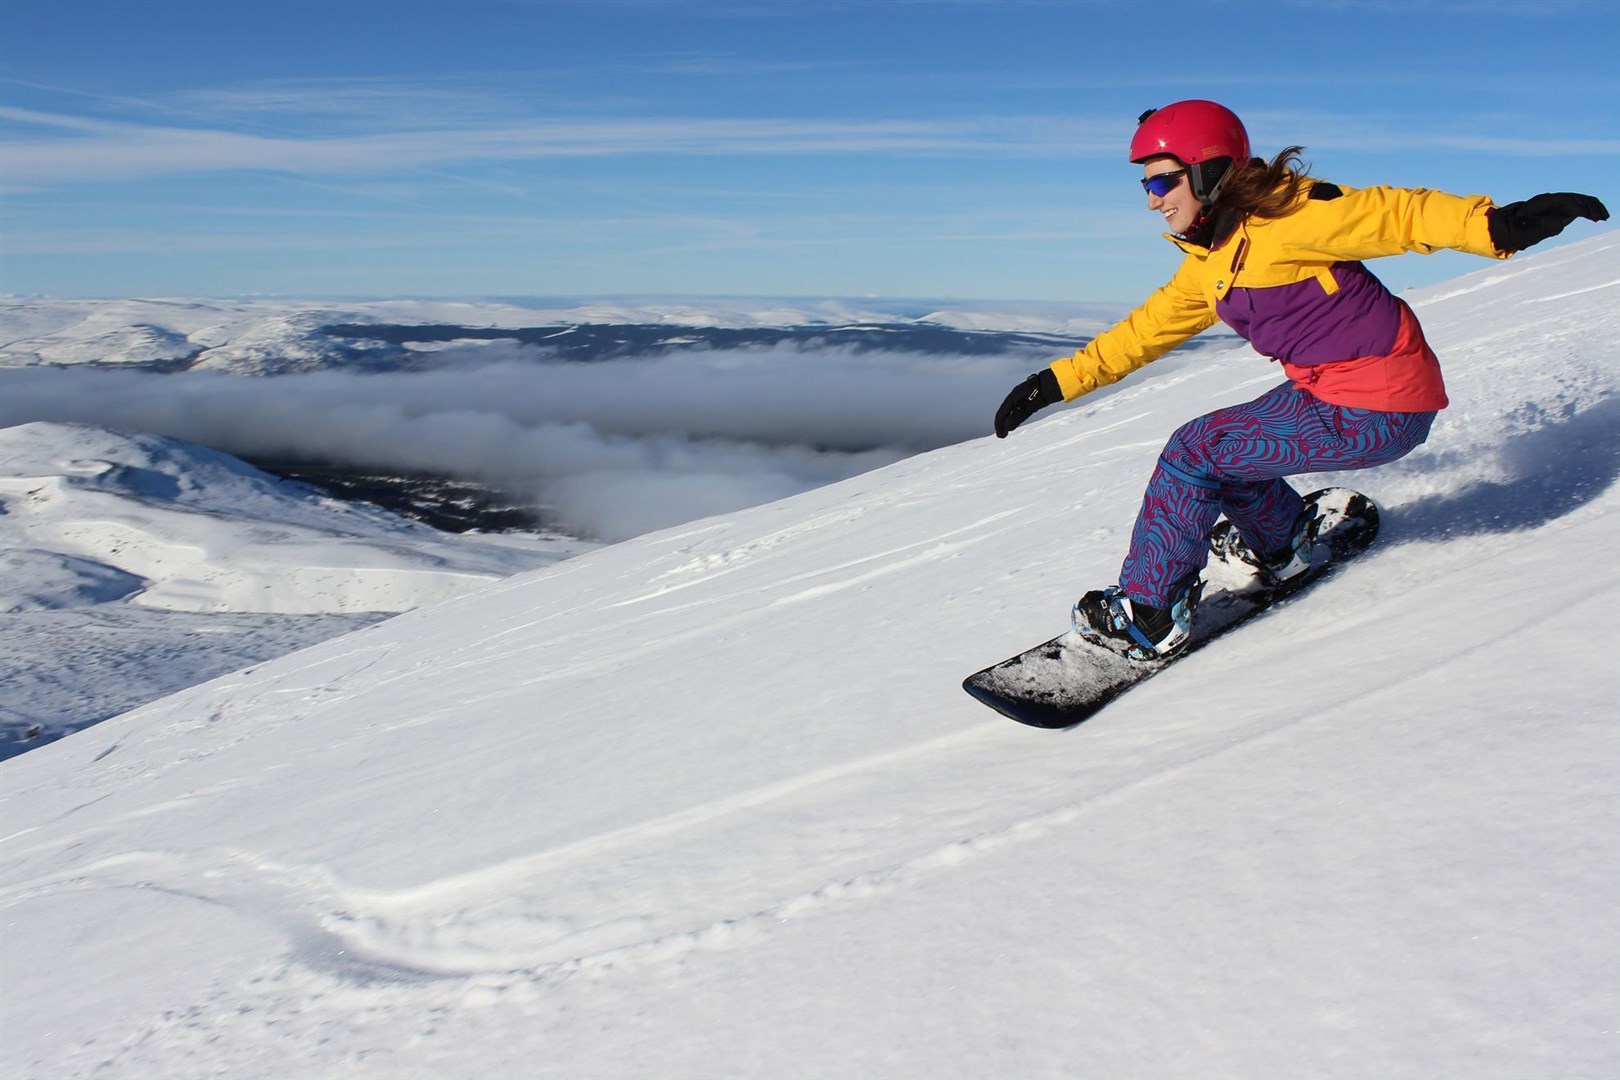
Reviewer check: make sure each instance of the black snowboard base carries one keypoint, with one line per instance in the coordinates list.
(1067, 680)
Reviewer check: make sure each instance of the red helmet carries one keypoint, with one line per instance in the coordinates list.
(1193, 131)
(1207, 138)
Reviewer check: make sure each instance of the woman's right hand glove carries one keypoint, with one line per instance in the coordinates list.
(1517, 226)
(1027, 398)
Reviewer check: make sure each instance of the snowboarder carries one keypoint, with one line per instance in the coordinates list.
(1276, 255)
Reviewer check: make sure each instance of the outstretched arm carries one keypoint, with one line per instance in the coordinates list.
(1368, 223)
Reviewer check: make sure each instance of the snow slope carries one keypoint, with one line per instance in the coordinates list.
(710, 802)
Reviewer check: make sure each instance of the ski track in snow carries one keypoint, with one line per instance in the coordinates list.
(497, 936)
(443, 928)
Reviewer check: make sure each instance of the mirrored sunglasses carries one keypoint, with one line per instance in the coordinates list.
(1162, 184)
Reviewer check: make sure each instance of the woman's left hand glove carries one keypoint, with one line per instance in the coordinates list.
(1027, 398)
(1516, 226)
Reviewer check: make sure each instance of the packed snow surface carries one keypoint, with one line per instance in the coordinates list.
(711, 803)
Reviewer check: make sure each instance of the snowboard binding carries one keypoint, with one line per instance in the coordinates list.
(1334, 522)
(1109, 618)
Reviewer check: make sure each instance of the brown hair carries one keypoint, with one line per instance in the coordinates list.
(1265, 190)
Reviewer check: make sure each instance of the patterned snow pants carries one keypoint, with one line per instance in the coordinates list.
(1232, 461)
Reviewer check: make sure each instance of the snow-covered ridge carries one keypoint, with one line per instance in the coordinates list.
(175, 526)
(260, 337)
(710, 801)
(133, 565)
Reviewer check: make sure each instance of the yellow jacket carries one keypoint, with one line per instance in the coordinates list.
(1329, 225)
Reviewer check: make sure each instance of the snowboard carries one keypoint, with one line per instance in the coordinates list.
(1068, 679)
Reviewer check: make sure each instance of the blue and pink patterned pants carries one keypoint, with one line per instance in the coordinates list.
(1233, 461)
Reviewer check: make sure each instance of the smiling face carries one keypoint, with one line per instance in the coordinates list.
(1180, 206)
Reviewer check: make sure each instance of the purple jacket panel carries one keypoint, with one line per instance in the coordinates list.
(1305, 325)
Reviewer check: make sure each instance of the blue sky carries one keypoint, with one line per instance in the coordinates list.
(932, 150)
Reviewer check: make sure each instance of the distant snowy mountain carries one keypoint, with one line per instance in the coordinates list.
(710, 802)
(196, 530)
(283, 337)
(112, 543)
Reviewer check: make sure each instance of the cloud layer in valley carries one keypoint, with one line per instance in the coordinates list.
(608, 450)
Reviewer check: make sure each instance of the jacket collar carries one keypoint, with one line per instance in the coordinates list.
(1209, 233)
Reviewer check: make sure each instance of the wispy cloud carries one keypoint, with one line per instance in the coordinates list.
(108, 150)
(82, 149)
(590, 239)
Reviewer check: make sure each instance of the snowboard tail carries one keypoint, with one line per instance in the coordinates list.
(1067, 680)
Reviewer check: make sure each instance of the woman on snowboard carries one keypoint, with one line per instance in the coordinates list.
(1276, 255)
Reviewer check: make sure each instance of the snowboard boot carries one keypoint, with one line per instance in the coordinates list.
(1137, 631)
(1287, 562)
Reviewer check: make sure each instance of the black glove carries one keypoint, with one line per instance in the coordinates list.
(1028, 398)
(1516, 226)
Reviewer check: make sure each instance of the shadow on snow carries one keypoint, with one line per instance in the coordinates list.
(1553, 469)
